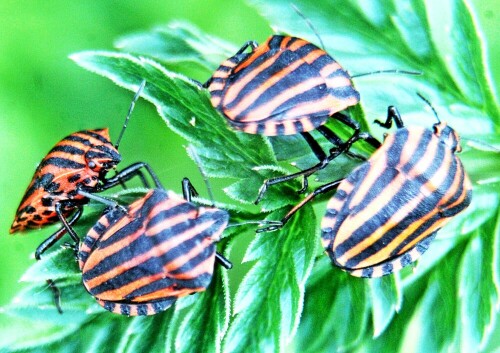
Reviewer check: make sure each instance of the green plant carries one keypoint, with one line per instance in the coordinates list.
(292, 298)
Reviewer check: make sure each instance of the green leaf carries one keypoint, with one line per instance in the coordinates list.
(57, 264)
(268, 304)
(478, 288)
(336, 311)
(207, 321)
(386, 301)
(178, 43)
(430, 328)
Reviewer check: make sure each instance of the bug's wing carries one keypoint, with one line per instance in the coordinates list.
(272, 87)
(289, 82)
(162, 249)
(56, 179)
(400, 197)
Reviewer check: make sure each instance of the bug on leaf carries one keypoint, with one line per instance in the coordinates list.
(71, 173)
(385, 214)
(74, 168)
(140, 260)
(288, 86)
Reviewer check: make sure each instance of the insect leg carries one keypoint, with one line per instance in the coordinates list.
(223, 261)
(336, 141)
(250, 44)
(47, 243)
(321, 190)
(355, 126)
(188, 191)
(127, 174)
(392, 114)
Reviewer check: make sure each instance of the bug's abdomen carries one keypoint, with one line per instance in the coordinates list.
(406, 191)
(57, 178)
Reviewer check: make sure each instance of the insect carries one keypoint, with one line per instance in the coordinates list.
(138, 261)
(71, 173)
(288, 86)
(385, 214)
(63, 182)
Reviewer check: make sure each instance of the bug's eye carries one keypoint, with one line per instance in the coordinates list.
(92, 165)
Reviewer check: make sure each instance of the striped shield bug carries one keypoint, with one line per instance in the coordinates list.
(288, 86)
(138, 261)
(385, 214)
(63, 182)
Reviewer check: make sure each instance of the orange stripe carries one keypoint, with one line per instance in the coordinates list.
(265, 110)
(157, 251)
(330, 68)
(122, 292)
(253, 95)
(258, 52)
(235, 89)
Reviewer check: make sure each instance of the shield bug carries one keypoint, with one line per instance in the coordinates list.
(288, 86)
(138, 261)
(73, 170)
(385, 214)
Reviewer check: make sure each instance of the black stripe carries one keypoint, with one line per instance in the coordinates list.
(75, 138)
(283, 60)
(280, 129)
(152, 266)
(408, 192)
(61, 163)
(162, 305)
(302, 73)
(125, 309)
(109, 305)
(276, 40)
(145, 243)
(405, 194)
(344, 93)
(67, 149)
(356, 178)
(95, 136)
(450, 212)
(405, 259)
(39, 182)
(419, 151)
(202, 281)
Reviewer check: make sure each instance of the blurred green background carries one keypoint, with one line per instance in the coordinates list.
(44, 96)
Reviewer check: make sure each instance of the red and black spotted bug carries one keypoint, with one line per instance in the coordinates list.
(385, 214)
(139, 261)
(65, 179)
(288, 86)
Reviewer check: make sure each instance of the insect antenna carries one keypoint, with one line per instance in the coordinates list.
(309, 24)
(130, 110)
(389, 71)
(430, 106)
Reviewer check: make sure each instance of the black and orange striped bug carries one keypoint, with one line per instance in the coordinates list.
(140, 260)
(386, 213)
(73, 170)
(288, 86)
